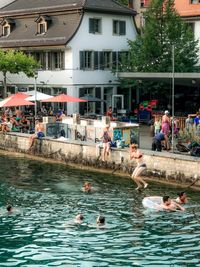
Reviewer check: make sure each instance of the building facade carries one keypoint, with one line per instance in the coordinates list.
(78, 44)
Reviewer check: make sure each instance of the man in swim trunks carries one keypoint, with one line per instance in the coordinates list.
(182, 198)
(39, 133)
(141, 166)
(170, 205)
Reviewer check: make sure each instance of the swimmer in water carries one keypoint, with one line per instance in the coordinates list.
(79, 218)
(9, 208)
(87, 187)
(182, 198)
(170, 205)
(101, 220)
(141, 166)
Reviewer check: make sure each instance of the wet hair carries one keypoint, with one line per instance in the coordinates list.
(165, 198)
(81, 216)
(101, 219)
(9, 207)
(87, 183)
(181, 194)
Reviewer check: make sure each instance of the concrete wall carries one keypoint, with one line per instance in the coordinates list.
(170, 167)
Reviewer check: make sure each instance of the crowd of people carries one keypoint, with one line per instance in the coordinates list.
(163, 129)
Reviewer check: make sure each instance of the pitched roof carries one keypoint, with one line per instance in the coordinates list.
(38, 6)
(109, 6)
(35, 6)
(61, 30)
(186, 9)
(63, 24)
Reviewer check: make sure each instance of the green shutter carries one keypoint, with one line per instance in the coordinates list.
(82, 60)
(101, 60)
(91, 25)
(96, 60)
(114, 60)
(122, 27)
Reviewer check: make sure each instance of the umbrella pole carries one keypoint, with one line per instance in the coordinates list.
(35, 93)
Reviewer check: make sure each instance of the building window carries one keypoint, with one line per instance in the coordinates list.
(7, 26)
(105, 60)
(42, 27)
(6, 30)
(195, 1)
(144, 3)
(43, 23)
(86, 60)
(119, 27)
(94, 25)
(53, 60)
(191, 25)
(57, 60)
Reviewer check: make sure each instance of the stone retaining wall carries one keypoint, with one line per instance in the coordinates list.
(180, 168)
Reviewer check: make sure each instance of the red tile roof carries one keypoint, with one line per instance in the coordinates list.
(185, 9)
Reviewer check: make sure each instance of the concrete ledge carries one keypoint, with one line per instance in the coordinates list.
(166, 166)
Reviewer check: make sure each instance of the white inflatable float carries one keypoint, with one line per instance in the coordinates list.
(153, 202)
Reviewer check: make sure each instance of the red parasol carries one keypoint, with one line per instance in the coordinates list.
(16, 100)
(64, 98)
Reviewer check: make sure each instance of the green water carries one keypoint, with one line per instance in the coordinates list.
(47, 197)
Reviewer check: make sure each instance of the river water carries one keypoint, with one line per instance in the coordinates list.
(47, 197)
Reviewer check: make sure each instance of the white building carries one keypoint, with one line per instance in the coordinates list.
(77, 42)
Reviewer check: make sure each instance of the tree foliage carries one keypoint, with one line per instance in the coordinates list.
(152, 50)
(16, 62)
(123, 2)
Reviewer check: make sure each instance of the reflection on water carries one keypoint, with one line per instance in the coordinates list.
(47, 198)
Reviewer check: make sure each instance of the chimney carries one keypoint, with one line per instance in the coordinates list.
(130, 4)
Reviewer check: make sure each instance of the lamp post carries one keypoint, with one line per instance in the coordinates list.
(35, 92)
(173, 98)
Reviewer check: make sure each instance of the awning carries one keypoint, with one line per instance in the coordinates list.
(187, 79)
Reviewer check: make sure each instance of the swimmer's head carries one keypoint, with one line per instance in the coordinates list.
(182, 195)
(100, 220)
(87, 185)
(79, 217)
(166, 200)
(9, 208)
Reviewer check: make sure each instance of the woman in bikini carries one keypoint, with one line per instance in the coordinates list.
(106, 142)
(135, 154)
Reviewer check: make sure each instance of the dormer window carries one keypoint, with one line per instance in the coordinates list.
(7, 26)
(6, 30)
(43, 23)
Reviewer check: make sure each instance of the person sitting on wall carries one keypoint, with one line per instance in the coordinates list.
(39, 133)
(6, 126)
(24, 124)
(109, 113)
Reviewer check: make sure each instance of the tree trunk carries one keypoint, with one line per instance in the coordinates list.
(4, 85)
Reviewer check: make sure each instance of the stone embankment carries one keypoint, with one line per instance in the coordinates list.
(182, 169)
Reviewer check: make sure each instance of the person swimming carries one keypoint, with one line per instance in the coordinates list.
(79, 218)
(9, 208)
(182, 198)
(87, 187)
(101, 220)
(170, 205)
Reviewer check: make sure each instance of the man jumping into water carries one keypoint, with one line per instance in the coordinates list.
(141, 166)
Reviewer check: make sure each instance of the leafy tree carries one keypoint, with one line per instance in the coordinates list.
(152, 50)
(16, 62)
(123, 2)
